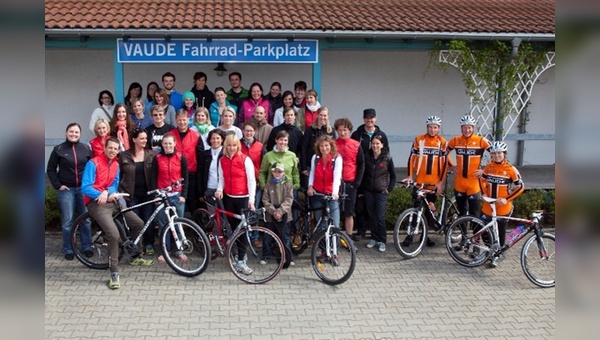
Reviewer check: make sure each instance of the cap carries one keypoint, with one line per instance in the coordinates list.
(188, 94)
(277, 166)
(369, 113)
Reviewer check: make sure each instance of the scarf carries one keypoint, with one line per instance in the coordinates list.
(277, 181)
(202, 128)
(122, 134)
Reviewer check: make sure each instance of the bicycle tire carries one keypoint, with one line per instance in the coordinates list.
(272, 252)
(99, 245)
(539, 270)
(338, 268)
(469, 252)
(299, 231)
(404, 228)
(205, 220)
(450, 215)
(195, 247)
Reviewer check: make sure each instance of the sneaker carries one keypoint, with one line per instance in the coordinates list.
(88, 253)
(69, 256)
(494, 262)
(160, 259)
(356, 237)
(407, 241)
(139, 261)
(181, 256)
(381, 247)
(257, 244)
(149, 250)
(371, 244)
(292, 263)
(241, 267)
(115, 281)
(430, 242)
(263, 262)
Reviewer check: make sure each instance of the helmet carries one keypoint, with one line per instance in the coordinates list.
(467, 120)
(498, 147)
(434, 120)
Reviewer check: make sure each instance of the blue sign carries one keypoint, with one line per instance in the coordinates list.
(203, 51)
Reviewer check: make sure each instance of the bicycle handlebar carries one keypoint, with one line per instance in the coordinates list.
(419, 187)
(170, 188)
(327, 197)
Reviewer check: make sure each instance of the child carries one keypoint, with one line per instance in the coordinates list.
(277, 199)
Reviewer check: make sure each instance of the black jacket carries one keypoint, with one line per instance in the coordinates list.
(66, 164)
(294, 139)
(379, 172)
(204, 97)
(365, 140)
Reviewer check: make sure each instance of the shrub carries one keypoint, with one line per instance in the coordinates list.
(399, 200)
(51, 210)
(532, 200)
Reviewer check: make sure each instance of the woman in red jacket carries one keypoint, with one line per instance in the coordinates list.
(236, 185)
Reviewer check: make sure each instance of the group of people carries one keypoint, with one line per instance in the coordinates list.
(263, 151)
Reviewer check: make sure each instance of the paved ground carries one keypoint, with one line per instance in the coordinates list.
(386, 298)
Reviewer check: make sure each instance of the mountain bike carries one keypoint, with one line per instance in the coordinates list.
(301, 230)
(480, 241)
(333, 255)
(179, 236)
(410, 231)
(248, 263)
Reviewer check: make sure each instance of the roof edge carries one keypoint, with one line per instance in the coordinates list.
(297, 34)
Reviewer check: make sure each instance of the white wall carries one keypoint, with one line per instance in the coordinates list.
(398, 84)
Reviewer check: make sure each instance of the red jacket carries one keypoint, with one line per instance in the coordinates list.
(189, 147)
(348, 148)
(169, 170)
(234, 175)
(104, 175)
(255, 152)
(97, 145)
(324, 175)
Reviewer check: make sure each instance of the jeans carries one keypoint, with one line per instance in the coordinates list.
(283, 231)
(144, 212)
(257, 204)
(376, 204)
(71, 201)
(334, 211)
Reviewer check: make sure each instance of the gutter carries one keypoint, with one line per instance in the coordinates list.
(295, 34)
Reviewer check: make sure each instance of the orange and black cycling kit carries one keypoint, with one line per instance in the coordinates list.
(433, 163)
(469, 151)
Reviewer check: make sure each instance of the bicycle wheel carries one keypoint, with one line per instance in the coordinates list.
(473, 248)
(540, 266)
(98, 257)
(409, 234)
(337, 268)
(449, 216)
(256, 264)
(192, 256)
(298, 233)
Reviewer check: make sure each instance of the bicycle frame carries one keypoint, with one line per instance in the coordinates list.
(242, 225)
(533, 225)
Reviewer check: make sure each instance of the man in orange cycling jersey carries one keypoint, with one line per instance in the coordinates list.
(499, 180)
(427, 161)
(469, 150)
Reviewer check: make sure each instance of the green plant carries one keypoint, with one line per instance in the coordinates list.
(399, 200)
(51, 210)
(532, 200)
(495, 67)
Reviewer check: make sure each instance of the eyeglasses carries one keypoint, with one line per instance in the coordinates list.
(157, 114)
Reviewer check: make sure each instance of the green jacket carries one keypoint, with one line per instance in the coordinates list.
(289, 161)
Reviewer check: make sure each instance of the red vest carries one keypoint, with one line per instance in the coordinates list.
(234, 175)
(187, 147)
(348, 148)
(97, 145)
(254, 152)
(169, 170)
(105, 174)
(323, 180)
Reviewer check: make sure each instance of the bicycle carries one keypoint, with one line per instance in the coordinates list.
(264, 262)
(479, 243)
(333, 255)
(186, 238)
(301, 228)
(410, 231)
